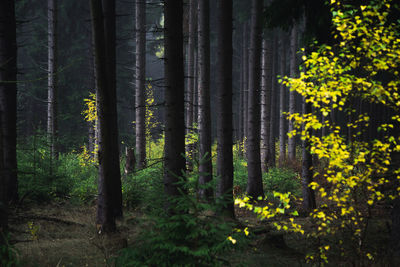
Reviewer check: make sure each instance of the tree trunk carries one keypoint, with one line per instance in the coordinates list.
(174, 162)
(292, 99)
(140, 83)
(130, 161)
(52, 127)
(191, 79)
(110, 42)
(254, 184)
(8, 97)
(224, 107)
(109, 173)
(196, 89)
(246, 86)
(3, 195)
(282, 102)
(205, 165)
(274, 89)
(306, 170)
(266, 103)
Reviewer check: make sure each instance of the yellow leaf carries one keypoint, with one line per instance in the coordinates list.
(246, 231)
(232, 240)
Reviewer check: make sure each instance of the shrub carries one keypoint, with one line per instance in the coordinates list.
(281, 180)
(191, 236)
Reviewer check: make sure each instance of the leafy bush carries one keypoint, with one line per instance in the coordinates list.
(141, 187)
(276, 179)
(192, 236)
(281, 180)
(40, 178)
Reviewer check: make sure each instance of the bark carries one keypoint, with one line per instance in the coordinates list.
(109, 173)
(240, 111)
(191, 79)
(266, 79)
(292, 94)
(274, 89)
(245, 85)
(282, 102)
(306, 168)
(140, 83)
(3, 196)
(110, 42)
(195, 89)
(174, 162)
(205, 165)
(254, 184)
(8, 97)
(130, 161)
(52, 125)
(224, 106)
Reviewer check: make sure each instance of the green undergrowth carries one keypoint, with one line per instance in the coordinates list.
(275, 180)
(190, 233)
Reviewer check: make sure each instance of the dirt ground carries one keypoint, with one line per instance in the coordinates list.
(64, 235)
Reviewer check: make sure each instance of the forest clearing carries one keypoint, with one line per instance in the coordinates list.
(199, 133)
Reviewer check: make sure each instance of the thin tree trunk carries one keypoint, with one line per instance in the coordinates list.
(109, 173)
(246, 85)
(8, 97)
(254, 184)
(174, 162)
(282, 102)
(205, 165)
(306, 170)
(292, 94)
(224, 107)
(241, 88)
(140, 95)
(191, 79)
(274, 89)
(52, 129)
(3, 195)
(266, 103)
(196, 89)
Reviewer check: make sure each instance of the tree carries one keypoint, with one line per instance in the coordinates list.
(8, 98)
(205, 165)
(292, 100)
(224, 106)
(254, 183)
(245, 67)
(110, 43)
(3, 196)
(191, 78)
(174, 148)
(282, 103)
(306, 167)
(109, 173)
(274, 86)
(363, 64)
(266, 85)
(140, 85)
(52, 122)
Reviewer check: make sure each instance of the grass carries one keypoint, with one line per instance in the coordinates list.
(55, 224)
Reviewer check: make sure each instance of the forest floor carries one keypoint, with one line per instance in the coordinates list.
(65, 235)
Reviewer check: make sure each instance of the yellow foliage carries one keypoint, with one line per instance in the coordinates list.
(367, 45)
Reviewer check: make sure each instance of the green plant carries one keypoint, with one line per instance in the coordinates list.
(8, 255)
(192, 235)
(281, 180)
